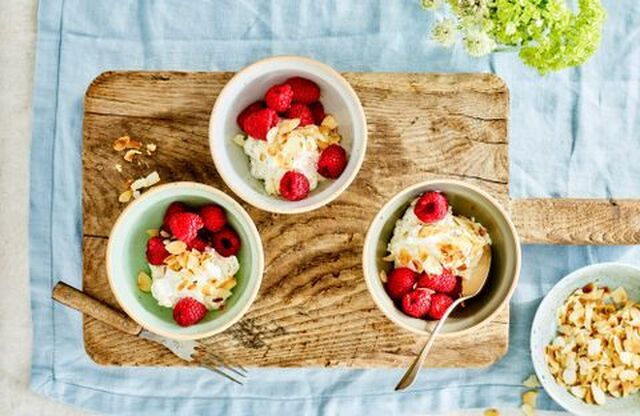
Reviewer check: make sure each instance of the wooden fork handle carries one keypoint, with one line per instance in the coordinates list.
(84, 303)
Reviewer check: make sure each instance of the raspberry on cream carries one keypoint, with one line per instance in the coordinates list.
(207, 277)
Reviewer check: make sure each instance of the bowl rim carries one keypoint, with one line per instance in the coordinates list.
(570, 279)
(243, 216)
(369, 245)
(292, 207)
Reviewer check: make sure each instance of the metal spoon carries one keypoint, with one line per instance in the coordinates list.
(470, 288)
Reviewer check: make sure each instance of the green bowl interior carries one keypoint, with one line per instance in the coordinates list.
(127, 258)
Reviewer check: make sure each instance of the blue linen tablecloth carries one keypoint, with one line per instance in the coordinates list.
(572, 133)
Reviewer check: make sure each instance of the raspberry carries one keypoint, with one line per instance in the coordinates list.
(441, 283)
(185, 225)
(213, 217)
(439, 305)
(279, 97)
(417, 303)
(400, 282)
(317, 109)
(294, 186)
(197, 243)
(173, 208)
(188, 311)
(302, 112)
(258, 123)
(332, 161)
(304, 91)
(156, 253)
(431, 207)
(251, 108)
(226, 242)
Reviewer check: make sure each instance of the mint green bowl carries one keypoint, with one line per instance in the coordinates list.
(126, 257)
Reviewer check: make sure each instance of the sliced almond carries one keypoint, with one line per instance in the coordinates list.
(144, 282)
(176, 247)
(239, 139)
(329, 122)
(530, 397)
(228, 284)
(125, 196)
(131, 154)
(532, 382)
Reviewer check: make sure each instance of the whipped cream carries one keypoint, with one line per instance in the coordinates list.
(455, 243)
(270, 159)
(207, 277)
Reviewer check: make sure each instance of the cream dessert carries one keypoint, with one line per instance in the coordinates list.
(207, 277)
(193, 263)
(292, 144)
(454, 243)
(433, 251)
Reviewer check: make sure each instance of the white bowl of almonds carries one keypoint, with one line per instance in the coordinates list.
(585, 341)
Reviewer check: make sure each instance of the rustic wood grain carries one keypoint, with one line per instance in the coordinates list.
(577, 221)
(313, 308)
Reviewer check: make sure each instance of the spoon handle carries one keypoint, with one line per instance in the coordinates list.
(410, 376)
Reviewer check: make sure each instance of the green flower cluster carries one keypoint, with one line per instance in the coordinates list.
(549, 35)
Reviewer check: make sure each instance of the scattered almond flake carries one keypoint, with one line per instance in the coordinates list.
(136, 194)
(131, 154)
(152, 179)
(389, 258)
(597, 349)
(329, 122)
(228, 284)
(491, 412)
(151, 147)
(121, 143)
(527, 410)
(125, 196)
(272, 134)
(288, 125)
(529, 398)
(138, 184)
(144, 282)
(532, 382)
(176, 247)
(164, 234)
(153, 232)
(239, 139)
(383, 276)
(118, 167)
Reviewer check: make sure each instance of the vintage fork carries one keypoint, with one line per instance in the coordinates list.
(188, 350)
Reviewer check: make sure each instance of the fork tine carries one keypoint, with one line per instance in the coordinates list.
(222, 373)
(226, 361)
(214, 360)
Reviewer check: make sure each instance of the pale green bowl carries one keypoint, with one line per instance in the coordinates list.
(126, 258)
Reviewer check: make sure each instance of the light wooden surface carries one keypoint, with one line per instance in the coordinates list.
(313, 308)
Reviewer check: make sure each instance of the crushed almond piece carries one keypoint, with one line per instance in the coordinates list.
(144, 282)
(532, 382)
(125, 196)
(383, 276)
(239, 139)
(329, 122)
(151, 147)
(131, 154)
(176, 247)
(118, 167)
(491, 412)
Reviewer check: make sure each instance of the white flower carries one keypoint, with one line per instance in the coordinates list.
(444, 32)
(478, 43)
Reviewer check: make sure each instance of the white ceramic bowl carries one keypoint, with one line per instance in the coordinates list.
(249, 85)
(126, 258)
(544, 329)
(466, 200)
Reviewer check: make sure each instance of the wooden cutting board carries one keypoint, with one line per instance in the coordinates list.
(313, 308)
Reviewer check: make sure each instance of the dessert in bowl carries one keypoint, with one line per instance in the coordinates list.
(288, 134)
(423, 245)
(185, 260)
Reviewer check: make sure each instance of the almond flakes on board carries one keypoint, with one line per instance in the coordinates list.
(596, 352)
